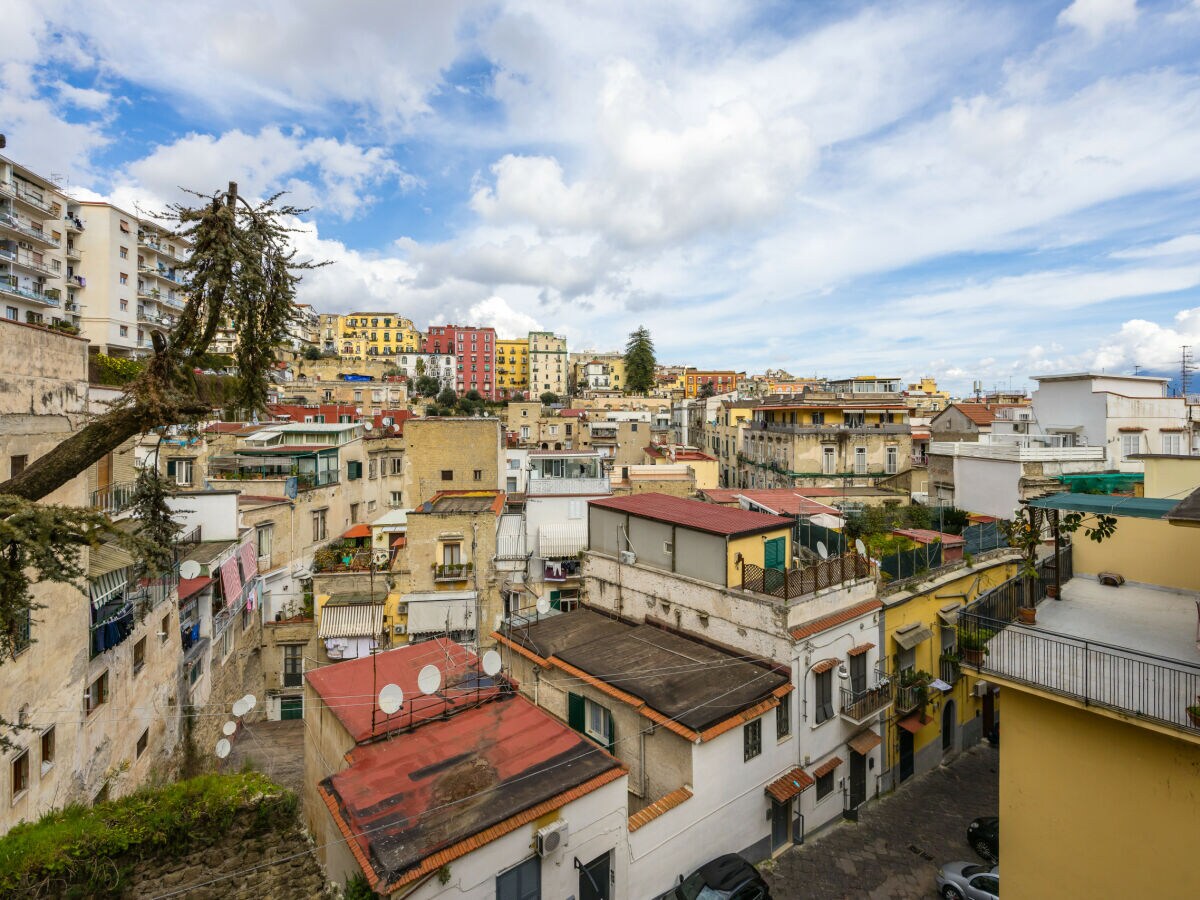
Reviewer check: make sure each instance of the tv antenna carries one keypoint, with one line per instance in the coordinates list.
(1186, 368)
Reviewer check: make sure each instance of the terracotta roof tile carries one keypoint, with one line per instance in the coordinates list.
(747, 715)
(816, 626)
(789, 785)
(824, 666)
(826, 767)
(860, 649)
(663, 804)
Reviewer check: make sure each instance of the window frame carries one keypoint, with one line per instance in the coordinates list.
(752, 740)
(46, 760)
(825, 784)
(320, 524)
(20, 763)
(97, 693)
(293, 661)
(783, 718)
(823, 696)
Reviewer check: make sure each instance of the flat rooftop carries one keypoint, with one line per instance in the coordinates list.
(464, 502)
(692, 683)
(694, 514)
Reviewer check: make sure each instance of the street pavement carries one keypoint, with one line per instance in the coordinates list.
(894, 850)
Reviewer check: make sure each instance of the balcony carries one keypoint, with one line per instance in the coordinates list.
(34, 296)
(30, 198)
(74, 253)
(801, 582)
(830, 431)
(860, 706)
(912, 692)
(26, 261)
(12, 224)
(949, 669)
(452, 572)
(542, 487)
(74, 224)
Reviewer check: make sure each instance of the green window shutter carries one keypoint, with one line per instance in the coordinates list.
(354, 470)
(575, 712)
(773, 553)
(170, 468)
(610, 731)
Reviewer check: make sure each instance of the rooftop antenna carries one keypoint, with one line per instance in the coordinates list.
(1186, 368)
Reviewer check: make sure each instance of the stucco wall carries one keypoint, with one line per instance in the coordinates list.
(1150, 551)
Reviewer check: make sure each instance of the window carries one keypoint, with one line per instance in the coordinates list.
(353, 513)
(397, 467)
(986, 884)
(47, 743)
(906, 659)
(142, 743)
(451, 554)
(783, 718)
(293, 665)
(11, 313)
(824, 703)
(124, 306)
(180, 470)
(825, 785)
(598, 723)
(576, 509)
(124, 279)
(891, 461)
(318, 524)
(97, 693)
(139, 656)
(371, 467)
(860, 460)
(1172, 444)
(262, 540)
(858, 671)
(124, 227)
(247, 617)
(124, 251)
(478, 474)
(17, 463)
(1130, 444)
(354, 469)
(752, 739)
(124, 331)
(396, 500)
(370, 506)
(524, 432)
(447, 474)
(20, 775)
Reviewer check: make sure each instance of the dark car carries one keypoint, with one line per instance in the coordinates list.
(728, 877)
(984, 837)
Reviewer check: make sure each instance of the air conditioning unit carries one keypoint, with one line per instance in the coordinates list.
(551, 838)
(628, 557)
(980, 689)
(399, 629)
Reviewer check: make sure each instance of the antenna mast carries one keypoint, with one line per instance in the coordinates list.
(1186, 368)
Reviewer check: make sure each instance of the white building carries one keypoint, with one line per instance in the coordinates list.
(439, 366)
(36, 248)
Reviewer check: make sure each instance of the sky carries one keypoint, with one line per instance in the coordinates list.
(973, 191)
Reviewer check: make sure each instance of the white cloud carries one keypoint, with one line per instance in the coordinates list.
(1149, 344)
(495, 312)
(85, 98)
(1185, 244)
(1097, 16)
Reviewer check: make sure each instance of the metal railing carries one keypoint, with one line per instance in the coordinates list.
(452, 572)
(862, 704)
(949, 670)
(910, 697)
(35, 233)
(799, 582)
(832, 429)
(113, 498)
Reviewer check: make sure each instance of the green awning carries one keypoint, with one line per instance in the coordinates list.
(1108, 505)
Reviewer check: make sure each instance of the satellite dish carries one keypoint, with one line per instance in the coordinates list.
(491, 662)
(396, 429)
(367, 426)
(543, 606)
(240, 708)
(251, 701)
(860, 547)
(391, 698)
(429, 679)
(229, 728)
(223, 748)
(189, 568)
(822, 550)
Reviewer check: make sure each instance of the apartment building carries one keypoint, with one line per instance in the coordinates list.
(512, 368)
(547, 363)
(703, 381)
(376, 334)
(445, 454)
(474, 350)
(602, 373)
(37, 249)
(535, 426)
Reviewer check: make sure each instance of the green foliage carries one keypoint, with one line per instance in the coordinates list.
(312, 353)
(706, 390)
(358, 888)
(975, 639)
(447, 397)
(419, 367)
(549, 398)
(113, 371)
(639, 362)
(474, 396)
(426, 385)
(155, 525)
(86, 851)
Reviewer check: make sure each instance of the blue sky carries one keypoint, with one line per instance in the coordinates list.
(967, 190)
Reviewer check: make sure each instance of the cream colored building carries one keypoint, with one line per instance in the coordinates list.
(443, 454)
(37, 248)
(547, 363)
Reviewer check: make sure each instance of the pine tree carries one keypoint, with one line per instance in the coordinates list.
(639, 362)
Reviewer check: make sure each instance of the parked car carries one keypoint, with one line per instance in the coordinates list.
(968, 881)
(984, 837)
(728, 877)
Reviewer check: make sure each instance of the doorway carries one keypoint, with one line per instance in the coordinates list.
(906, 754)
(291, 708)
(858, 780)
(989, 712)
(781, 821)
(593, 879)
(949, 722)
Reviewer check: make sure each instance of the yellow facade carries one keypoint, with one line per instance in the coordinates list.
(752, 549)
(1171, 476)
(394, 612)
(723, 381)
(1150, 551)
(512, 366)
(1091, 806)
(376, 334)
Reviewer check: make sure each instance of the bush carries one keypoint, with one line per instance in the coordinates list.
(549, 398)
(447, 397)
(113, 371)
(312, 353)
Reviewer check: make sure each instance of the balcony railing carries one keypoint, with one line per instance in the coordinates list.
(27, 261)
(36, 234)
(858, 706)
(794, 583)
(35, 296)
(304, 480)
(949, 670)
(452, 572)
(910, 697)
(546, 486)
(831, 430)
(37, 201)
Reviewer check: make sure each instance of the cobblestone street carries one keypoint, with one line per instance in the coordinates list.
(893, 852)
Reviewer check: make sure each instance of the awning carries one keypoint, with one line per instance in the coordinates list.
(191, 586)
(351, 620)
(558, 541)
(361, 530)
(826, 767)
(788, 786)
(107, 558)
(438, 616)
(864, 743)
(824, 666)
(913, 723)
(949, 614)
(859, 650)
(913, 636)
(944, 686)
(1099, 504)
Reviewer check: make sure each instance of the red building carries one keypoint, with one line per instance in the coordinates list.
(474, 350)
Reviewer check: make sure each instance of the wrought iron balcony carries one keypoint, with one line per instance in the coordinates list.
(113, 498)
(859, 706)
(911, 697)
(452, 572)
(949, 669)
(35, 234)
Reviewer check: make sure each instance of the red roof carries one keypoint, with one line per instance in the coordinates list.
(925, 536)
(722, 495)
(225, 427)
(816, 626)
(358, 531)
(784, 501)
(694, 514)
(665, 453)
(572, 413)
(984, 413)
(419, 800)
(191, 586)
(348, 688)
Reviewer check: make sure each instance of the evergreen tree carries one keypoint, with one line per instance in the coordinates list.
(639, 362)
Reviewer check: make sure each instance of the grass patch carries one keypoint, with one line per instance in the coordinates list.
(86, 851)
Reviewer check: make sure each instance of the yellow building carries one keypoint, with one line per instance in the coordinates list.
(1099, 791)
(512, 367)
(937, 711)
(705, 468)
(924, 399)
(600, 373)
(374, 334)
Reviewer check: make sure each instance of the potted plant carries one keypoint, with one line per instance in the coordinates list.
(1194, 713)
(973, 646)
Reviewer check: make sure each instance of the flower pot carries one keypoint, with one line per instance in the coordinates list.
(1194, 715)
(1052, 591)
(1027, 615)
(973, 657)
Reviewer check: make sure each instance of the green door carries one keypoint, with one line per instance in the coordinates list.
(556, 600)
(291, 708)
(774, 551)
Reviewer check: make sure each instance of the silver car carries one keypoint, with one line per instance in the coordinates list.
(968, 881)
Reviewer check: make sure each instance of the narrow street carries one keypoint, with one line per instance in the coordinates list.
(894, 850)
